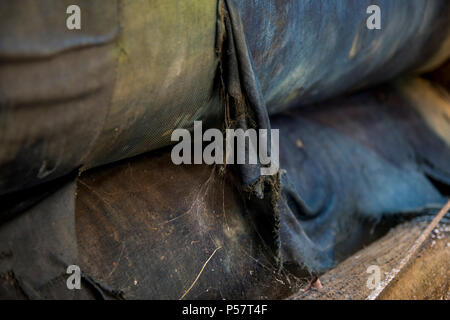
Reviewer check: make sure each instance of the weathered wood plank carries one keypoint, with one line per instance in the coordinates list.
(413, 264)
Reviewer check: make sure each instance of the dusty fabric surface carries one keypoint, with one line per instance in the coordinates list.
(148, 228)
(424, 278)
(37, 247)
(55, 88)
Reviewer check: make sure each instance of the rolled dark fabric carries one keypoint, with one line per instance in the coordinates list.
(137, 70)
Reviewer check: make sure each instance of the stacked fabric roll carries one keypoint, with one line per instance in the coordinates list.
(86, 118)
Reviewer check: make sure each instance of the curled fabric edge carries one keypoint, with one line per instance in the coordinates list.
(245, 108)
